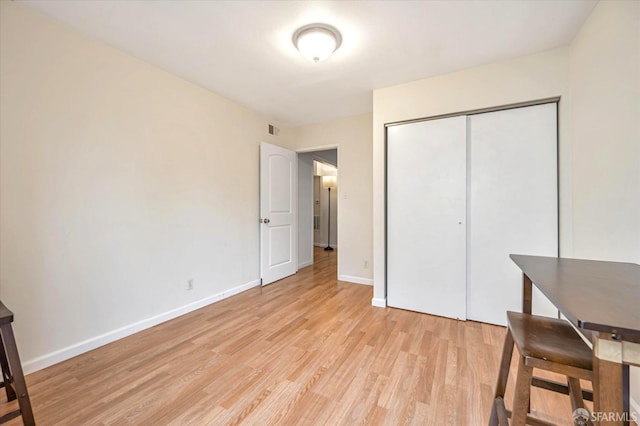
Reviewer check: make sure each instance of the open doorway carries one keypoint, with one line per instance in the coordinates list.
(317, 219)
(325, 206)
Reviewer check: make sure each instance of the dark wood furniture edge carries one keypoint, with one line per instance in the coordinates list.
(622, 333)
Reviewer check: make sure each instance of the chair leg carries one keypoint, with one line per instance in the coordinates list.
(503, 375)
(575, 393)
(18, 377)
(626, 402)
(522, 393)
(6, 374)
(503, 420)
(577, 401)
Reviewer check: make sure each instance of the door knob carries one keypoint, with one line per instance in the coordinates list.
(266, 220)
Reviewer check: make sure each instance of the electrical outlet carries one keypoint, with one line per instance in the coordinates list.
(190, 284)
(366, 264)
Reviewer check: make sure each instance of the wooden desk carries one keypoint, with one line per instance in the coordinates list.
(602, 299)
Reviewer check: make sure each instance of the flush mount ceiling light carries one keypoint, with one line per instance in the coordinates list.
(317, 42)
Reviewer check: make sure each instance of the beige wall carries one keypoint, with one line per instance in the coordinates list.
(605, 89)
(119, 183)
(352, 137)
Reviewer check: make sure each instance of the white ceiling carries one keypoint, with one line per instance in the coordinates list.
(243, 50)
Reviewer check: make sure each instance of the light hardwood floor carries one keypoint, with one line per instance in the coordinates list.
(306, 350)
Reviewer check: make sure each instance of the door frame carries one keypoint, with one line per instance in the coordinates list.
(339, 210)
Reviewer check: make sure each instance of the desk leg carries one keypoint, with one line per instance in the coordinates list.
(609, 381)
(527, 294)
(503, 375)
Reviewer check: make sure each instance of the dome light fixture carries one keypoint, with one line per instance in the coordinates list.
(317, 42)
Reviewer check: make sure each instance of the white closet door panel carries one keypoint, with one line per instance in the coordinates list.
(426, 206)
(512, 206)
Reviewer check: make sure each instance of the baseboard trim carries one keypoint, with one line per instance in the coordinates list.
(76, 349)
(305, 264)
(356, 280)
(379, 302)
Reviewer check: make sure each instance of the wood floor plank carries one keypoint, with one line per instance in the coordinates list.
(306, 350)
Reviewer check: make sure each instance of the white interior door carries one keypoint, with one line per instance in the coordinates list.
(513, 206)
(426, 208)
(278, 195)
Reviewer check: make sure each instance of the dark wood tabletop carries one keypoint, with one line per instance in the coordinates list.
(594, 295)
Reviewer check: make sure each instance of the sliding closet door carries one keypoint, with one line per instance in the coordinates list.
(426, 206)
(512, 205)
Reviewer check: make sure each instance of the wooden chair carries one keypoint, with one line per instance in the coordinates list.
(548, 344)
(12, 377)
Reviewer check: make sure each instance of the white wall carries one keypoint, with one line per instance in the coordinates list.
(305, 210)
(119, 182)
(528, 78)
(605, 91)
(352, 137)
(328, 156)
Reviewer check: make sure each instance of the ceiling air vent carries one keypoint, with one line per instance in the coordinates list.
(273, 130)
